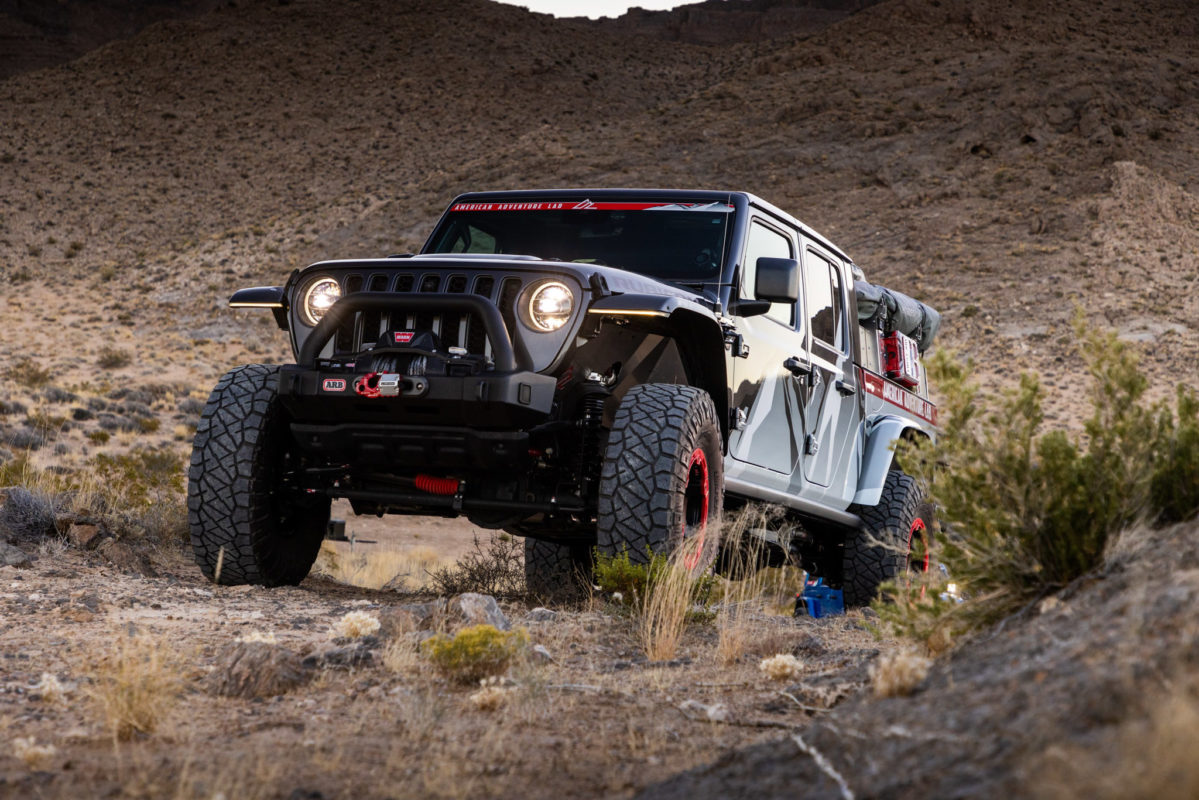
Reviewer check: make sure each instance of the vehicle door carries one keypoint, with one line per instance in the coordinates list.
(831, 403)
(767, 395)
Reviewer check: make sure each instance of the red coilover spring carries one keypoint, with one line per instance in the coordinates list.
(443, 486)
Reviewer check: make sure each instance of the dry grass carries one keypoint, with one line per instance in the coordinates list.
(372, 568)
(669, 599)
(898, 674)
(136, 684)
(749, 590)
(401, 656)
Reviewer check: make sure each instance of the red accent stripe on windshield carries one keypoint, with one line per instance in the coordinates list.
(583, 205)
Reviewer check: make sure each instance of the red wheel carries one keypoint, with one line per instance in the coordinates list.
(695, 508)
(662, 478)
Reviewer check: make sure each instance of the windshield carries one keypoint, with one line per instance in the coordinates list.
(681, 242)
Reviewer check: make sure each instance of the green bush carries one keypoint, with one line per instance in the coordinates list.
(1024, 511)
(474, 653)
(619, 575)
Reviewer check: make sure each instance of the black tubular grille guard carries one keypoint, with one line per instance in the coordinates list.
(493, 322)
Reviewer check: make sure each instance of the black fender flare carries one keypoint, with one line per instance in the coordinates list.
(696, 331)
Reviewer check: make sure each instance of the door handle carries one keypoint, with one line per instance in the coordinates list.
(797, 367)
(845, 389)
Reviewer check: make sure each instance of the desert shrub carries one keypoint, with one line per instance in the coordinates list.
(27, 373)
(631, 583)
(496, 569)
(53, 394)
(141, 493)
(1024, 511)
(474, 653)
(113, 358)
(28, 514)
(11, 407)
(355, 625)
(625, 581)
(898, 674)
(141, 476)
(25, 438)
(781, 667)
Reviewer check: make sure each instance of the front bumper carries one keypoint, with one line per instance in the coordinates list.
(475, 421)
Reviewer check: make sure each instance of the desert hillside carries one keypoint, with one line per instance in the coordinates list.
(1011, 164)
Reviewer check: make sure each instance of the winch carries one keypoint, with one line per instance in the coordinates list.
(400, 359)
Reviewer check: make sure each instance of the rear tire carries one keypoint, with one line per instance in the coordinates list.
(243, 510)
(556, 573)
(893, 540)
(662, 480)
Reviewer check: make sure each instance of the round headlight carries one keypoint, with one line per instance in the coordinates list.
(319, 297)
(550, 305)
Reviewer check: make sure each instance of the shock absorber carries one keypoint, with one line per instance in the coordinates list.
(590, 434)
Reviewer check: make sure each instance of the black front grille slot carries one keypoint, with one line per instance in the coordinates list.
(425, 320)
(453, 323)
(453, 328)
(476, 335)
(510, 288)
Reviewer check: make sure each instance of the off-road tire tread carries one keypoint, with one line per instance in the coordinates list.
(646, 461)
(230, 481)
(556, 572)
(878, 550)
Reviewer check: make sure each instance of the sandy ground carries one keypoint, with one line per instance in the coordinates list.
(597, 720)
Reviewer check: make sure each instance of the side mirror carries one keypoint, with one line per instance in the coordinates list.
(777, 280)
(748, 308)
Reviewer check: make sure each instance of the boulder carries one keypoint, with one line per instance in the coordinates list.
(13, 556)
(479, 609)
(540, 614)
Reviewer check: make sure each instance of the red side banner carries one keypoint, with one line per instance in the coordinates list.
(896, 395)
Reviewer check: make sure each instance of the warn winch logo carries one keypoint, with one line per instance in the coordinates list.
(404, 337)
(333, 385)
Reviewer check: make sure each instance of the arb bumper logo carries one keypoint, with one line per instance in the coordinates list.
(333, 385)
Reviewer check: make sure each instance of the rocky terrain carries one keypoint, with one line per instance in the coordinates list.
(1010, 164)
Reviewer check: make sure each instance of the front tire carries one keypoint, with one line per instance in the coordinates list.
(556, 573)
(662, 481)
(893, 540)
(245, 513)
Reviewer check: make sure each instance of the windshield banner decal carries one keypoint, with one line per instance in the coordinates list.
(588, 205)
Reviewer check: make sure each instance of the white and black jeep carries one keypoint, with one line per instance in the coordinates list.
(588, 369)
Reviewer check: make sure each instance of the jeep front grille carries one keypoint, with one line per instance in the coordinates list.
(453, 328)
